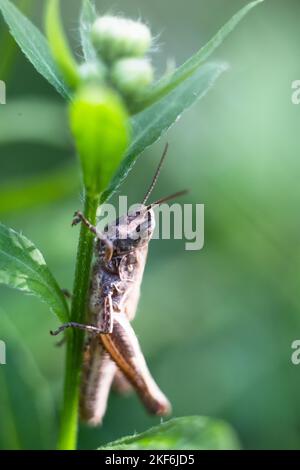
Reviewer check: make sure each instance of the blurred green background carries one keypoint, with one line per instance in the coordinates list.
(217, 325)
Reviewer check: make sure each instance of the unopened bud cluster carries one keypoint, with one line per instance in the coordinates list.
(121, 45)
(113, 81)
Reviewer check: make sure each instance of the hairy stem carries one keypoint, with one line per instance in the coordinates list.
(69, 417)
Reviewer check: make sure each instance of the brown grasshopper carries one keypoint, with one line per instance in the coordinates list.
(112, 352)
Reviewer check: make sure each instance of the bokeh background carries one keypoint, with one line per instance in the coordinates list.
(217, 325)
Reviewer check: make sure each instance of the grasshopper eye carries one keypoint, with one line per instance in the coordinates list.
(138, 229)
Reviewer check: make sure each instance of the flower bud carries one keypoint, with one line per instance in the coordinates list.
(99, 123)
(92, 71)
(116, 37)
(132, 76)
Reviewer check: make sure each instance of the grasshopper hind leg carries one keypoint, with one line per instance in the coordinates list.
(121, 385)
(98, 374)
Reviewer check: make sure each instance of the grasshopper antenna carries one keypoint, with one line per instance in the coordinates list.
(156, 176)
(168, 198)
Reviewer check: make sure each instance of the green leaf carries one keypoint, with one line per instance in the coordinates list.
(170, 82)
(34, 45)
(39, 190)
(22, 266)
(23, 120)
(9, 46)
(150, 125)
(171, 96)
(25, 395)
(87, 18)
(189, 433)
(59, 46)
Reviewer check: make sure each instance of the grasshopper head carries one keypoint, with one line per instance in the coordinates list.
(133, 230)
(141, 224)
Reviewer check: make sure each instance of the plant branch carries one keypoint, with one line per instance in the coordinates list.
(69, 417)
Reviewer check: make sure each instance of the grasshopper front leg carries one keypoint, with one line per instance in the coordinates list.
(79, 217)
(79, 326)
(106, 322)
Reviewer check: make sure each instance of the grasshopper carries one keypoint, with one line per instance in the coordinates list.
(112, 353)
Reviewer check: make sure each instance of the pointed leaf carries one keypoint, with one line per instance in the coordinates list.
(25, 395)
(87, 18)
(169, 82)
(155, 121)
(189, 433)
(33, 44)
(22, 266)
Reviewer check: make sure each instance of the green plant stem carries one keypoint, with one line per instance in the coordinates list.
(69, 417)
